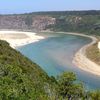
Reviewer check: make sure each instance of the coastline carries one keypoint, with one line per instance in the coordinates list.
(80, 59)
(19, 38)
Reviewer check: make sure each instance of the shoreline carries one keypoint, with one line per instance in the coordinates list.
(19, 38)
(83, 62)
(80, 59)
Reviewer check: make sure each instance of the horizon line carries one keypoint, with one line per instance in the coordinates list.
(47, 11)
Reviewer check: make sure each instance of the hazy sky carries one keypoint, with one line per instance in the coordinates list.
(22, 6)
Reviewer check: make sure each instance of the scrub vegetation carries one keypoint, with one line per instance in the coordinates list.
(21, 79)
(93, 53)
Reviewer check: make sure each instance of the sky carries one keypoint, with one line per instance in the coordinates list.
(25, 6)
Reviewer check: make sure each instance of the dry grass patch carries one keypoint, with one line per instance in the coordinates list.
(93, 53)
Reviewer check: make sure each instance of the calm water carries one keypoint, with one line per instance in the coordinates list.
(55, 53)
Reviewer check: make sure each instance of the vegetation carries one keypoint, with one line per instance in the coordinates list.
(68, 89)
(21, 79)
(87, 22)
(66, 85)
(93, 53)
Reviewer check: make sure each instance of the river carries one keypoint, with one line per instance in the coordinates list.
(55, 54)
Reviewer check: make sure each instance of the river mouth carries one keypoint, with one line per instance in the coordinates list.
(55, 54)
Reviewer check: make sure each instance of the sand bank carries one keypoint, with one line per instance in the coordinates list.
(80, 59)
(18, 38)
(85, 63)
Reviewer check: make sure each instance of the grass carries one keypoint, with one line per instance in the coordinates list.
(93, 53)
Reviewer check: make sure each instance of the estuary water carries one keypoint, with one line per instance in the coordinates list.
(55, 54)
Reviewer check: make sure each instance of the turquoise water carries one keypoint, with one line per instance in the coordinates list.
(55, 53)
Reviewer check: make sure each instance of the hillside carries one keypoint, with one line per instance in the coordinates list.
(25, 22)
(21, 79)
(73, 21)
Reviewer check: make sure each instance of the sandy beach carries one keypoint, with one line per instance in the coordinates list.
(18, 38)
(85, 63)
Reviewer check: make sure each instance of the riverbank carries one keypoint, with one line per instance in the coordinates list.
(82, 61)
(18, 38)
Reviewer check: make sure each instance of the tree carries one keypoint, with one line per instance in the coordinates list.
(67, 88)
(95, 95)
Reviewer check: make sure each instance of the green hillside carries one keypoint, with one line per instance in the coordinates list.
(87, 22)
(21, 79)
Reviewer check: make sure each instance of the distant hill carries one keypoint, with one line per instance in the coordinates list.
(26, 22)
(70, 21)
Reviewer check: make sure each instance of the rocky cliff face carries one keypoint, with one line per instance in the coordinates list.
(12, 22)
(26, 22)
(41, 22)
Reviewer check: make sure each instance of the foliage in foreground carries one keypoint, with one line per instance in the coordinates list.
(21, 79)
(68, 89)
